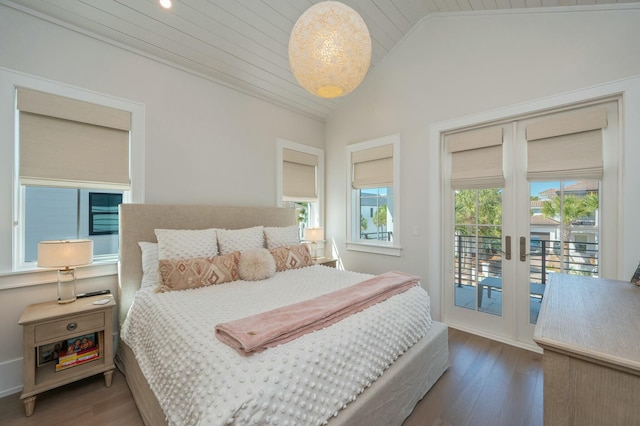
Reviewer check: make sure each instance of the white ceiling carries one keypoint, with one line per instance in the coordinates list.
(243, 43)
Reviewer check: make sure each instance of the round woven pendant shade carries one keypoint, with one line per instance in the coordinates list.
(330, 49)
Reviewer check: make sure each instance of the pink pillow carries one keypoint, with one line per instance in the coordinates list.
(182, 274)
(291, 257)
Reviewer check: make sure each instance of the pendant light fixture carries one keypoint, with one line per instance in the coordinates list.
(330, 49)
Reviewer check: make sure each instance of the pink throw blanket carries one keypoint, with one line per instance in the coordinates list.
(267, 329)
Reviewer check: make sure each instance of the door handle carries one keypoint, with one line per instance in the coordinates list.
(523, 249)
(507, 248)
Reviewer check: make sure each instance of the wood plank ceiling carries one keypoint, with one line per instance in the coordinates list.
(243, 43)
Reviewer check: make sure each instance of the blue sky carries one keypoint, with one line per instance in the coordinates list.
(538, 187)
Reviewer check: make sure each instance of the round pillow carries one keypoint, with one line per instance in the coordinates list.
(256, 264)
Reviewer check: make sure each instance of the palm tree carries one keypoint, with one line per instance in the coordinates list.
(484, 208)
(591, 202)
(487, 211)
(380, 218)
(574, 208)
(569, 211)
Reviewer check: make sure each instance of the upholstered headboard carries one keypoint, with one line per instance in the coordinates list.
(138, 222)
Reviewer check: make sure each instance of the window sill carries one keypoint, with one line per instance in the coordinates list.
(374, 248)
(38, 276)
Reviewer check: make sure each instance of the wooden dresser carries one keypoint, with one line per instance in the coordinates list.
(589, 329)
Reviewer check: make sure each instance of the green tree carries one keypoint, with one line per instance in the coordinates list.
(568, 212)
(380, 218)
(574, 208)
(481, 206)
(592, 202)
(478, 216)
(303, 212)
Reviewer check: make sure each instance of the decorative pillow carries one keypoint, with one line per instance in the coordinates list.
(186, 244)
(291, 257)
(231, 240)
(182, 274)
(256, 264)
(150, 273)
(282, 236)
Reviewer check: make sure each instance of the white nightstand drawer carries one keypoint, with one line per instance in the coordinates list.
(76, 325)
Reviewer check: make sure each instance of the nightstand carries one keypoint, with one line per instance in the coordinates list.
(47, 324)
(326, 261)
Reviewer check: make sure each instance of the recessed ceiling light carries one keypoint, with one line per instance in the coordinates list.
(166, 4)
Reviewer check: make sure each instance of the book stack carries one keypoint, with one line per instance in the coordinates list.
(80, 350)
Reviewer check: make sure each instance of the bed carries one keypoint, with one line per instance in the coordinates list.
(386, 396)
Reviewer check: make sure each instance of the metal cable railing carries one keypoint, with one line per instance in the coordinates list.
(482, 256)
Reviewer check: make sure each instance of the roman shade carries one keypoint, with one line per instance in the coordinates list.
(476, 158)
(566, 145)
(299, 175)
(373, 167)
(70, 143)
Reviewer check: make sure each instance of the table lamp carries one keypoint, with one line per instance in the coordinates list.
(314, 235)
(65, 255)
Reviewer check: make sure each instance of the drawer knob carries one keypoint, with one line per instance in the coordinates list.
(72, 326)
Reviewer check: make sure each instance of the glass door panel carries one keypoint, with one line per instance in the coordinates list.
(564, 233)
(478, 250)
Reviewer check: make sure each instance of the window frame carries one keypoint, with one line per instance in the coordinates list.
(354, 243)
(316, 208)
(14, 272)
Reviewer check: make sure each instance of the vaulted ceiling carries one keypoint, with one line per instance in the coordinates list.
(244, 43)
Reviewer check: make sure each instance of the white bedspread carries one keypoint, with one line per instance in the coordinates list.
(198, 380)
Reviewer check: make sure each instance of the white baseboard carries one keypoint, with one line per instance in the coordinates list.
(10, 377)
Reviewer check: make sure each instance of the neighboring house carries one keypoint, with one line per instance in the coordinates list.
(369, 205)
(547, 233)
(65, 214)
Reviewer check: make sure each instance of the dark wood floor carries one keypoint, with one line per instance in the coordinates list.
(489, 383)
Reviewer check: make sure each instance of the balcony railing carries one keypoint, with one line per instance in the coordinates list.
(482, 257)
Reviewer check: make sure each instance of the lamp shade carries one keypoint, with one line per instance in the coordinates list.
(329, 49)
(64, 253)
(314, 234)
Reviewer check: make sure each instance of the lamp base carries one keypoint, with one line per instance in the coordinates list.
(66, 285)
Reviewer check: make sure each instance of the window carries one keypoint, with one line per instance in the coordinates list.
(300, 170)
(103, 213)
(306, 213)
(373, 212)
(73, 171)
(581, 242)
(70, 213)
(16, 218)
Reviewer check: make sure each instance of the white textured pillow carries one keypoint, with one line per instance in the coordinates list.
(240, 239)
(256, 264)
(282, 236)
(150, 271)
(186, 244)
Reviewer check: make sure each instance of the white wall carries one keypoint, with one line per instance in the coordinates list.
(205, 143)
(455, 65)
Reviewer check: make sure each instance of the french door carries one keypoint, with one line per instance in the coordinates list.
(518, 209)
